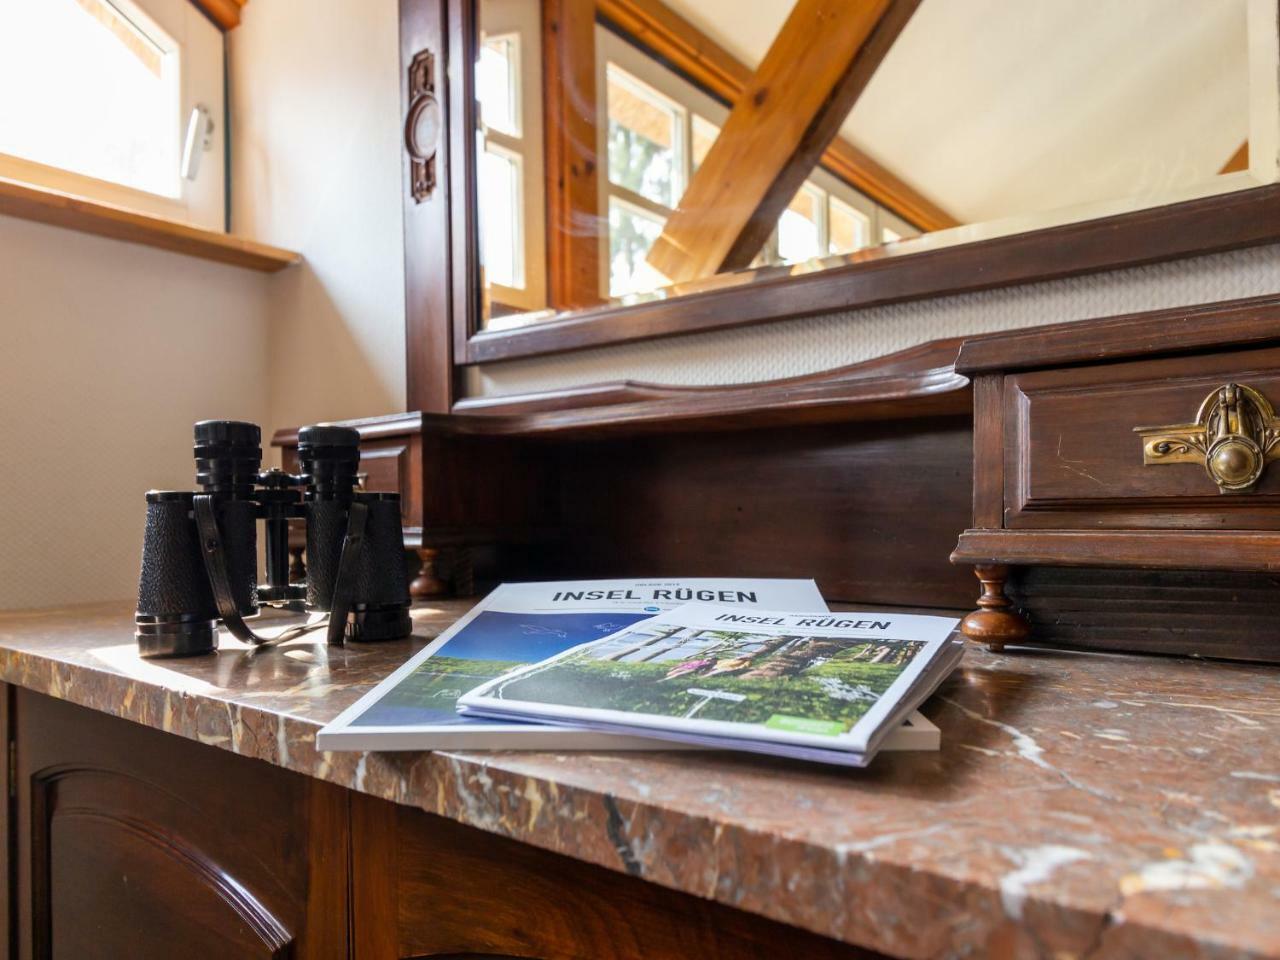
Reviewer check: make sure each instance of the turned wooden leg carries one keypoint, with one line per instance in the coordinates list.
(995, 622)
(426, 585)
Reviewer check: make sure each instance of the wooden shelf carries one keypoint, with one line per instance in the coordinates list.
(90, 216)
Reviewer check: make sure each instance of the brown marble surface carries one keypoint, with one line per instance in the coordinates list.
(1081, 805)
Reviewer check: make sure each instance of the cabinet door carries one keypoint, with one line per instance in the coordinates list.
(135, 843)
(424, 886)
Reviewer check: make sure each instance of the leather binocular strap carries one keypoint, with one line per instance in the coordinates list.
(343, 585)
(215, 564)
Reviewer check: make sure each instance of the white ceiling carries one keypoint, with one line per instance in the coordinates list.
(997, 108)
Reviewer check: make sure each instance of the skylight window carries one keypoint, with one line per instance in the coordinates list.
(123, 127)
(98, 96)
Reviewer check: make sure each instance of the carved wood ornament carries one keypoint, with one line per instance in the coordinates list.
(423, 126)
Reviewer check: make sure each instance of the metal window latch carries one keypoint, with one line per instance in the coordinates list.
(422, 127)
(1234, 436)
(198, 142)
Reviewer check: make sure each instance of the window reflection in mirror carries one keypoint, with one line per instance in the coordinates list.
(665, 146)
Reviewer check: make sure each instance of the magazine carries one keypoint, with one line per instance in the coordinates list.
(518, 624)
(818, 686)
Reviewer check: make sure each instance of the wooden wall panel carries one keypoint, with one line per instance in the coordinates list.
(871, 510)
(132, 842)
(454, 891)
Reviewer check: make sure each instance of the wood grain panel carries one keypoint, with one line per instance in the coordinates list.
(90, 848)
(1152, 549)
(117, 856)
(1249, 321)
(459, 892)
(1198, 613)
(573, 170)
(429, 232)
(386, 465)
(870, 510)
(60, 209)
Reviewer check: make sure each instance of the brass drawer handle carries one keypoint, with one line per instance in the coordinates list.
(1234, 434)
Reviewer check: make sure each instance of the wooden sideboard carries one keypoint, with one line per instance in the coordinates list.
(1025, 447)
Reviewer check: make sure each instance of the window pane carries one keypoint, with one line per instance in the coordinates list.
(500, 228)
(704, 135)
(90, 87)
(849, 229)
(496, 85)
(798, 227)
(631, 233)
(642, 140)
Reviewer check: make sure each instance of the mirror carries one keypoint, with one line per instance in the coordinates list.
(640, 149)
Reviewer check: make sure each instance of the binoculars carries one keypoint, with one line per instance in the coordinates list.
(200, 549)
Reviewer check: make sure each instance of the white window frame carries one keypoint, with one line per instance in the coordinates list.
(867, 218)
(200, 51)
(521, 21)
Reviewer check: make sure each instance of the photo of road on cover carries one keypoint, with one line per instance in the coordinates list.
(792, 681)
(489, 645)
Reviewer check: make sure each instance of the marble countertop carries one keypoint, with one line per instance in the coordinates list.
(1081, 806)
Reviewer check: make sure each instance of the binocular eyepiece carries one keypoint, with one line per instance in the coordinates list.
(200, 549)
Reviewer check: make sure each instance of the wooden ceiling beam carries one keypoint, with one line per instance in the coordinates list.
(225, 13)
(1239, 160)
(786, 117)
(573, 175)
(659, 29)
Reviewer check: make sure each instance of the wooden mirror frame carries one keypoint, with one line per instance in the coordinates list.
(442, 288)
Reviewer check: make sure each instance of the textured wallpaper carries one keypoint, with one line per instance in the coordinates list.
(111, 351)
(784, 349)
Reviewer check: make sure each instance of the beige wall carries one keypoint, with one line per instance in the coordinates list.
(110, 352)
(315, 137)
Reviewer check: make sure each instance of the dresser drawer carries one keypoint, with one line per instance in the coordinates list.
(385, 467)
(1074, 458)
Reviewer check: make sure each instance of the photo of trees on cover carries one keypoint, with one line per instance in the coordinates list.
(721, 675)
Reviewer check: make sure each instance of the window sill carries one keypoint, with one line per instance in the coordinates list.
(90, 216)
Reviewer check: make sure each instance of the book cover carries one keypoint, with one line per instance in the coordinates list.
(816, 685)
(518, 624)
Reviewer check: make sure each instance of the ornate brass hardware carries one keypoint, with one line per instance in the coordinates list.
(423, 126)
(1234, 435)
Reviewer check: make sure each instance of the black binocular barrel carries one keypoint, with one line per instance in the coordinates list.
(329, 457)
(176, 613)
(228, 456)
(380, 610)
